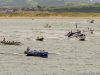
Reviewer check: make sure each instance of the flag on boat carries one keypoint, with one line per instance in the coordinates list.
(76, 25)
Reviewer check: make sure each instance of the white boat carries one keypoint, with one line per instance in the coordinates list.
(78, 35)
(75, 34)
(81, 37)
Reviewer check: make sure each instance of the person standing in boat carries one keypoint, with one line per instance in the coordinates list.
(37, 37)
(88, 28)
(4, 39)
(41, 36)
(25, 52)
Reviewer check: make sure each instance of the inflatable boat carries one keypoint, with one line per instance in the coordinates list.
(38, 53)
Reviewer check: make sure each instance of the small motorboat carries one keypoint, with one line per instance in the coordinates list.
(10, 43)
(38, 53)
(81, 36)
(91, 31)
(40, 39)
(47, 26)
(92, 21)
(73, 34)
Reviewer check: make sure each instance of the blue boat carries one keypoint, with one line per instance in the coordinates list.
(38, 53)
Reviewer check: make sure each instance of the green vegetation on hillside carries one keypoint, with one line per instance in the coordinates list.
(64, 14)
(87, 8)
(60, 11)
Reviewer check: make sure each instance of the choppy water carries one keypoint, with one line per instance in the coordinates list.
(75, 57)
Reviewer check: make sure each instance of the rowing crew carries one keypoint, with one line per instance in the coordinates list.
(28, 50)
(4, 41)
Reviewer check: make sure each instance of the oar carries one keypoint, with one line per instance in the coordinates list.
(18, 53)
(53, 53)
(14, 53)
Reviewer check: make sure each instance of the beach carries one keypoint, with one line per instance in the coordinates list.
(72, 57)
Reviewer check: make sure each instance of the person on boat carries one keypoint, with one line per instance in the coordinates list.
(78, 32)
(12, 42)
(47, 25)
(68, 33)
(34, 50)
(7, 42)
(37, 37)
(4, 40)
(16, 42)
(71, 31)
(25, 52)
(28, 49)
(42, 36)
(43, 50)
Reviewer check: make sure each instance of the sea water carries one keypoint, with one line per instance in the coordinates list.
(72, 57)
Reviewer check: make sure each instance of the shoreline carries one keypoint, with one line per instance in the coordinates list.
(49, 17)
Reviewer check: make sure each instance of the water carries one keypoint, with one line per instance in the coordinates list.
(74, 57)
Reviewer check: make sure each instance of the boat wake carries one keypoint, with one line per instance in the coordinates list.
(22, 54)
(13, 53)
(54, 53)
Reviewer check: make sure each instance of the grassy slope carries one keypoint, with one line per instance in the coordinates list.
(24, 3)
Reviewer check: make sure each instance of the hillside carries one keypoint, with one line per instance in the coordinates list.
(28, 3)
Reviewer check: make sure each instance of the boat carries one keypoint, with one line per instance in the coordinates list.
(92, 21)
(81, 36)
(47, 26)
(69, 34)
(40, 39)
(73, 34)
(10, 43)
(38, 53)
(91, 31)
(77, 34)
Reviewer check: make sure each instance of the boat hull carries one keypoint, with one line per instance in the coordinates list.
(10, 43)
(83, 37)
(40, 39)
(40, 54)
